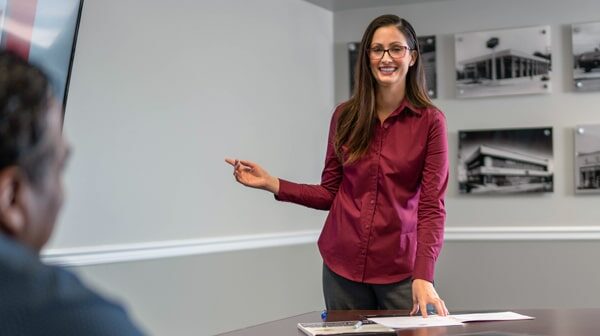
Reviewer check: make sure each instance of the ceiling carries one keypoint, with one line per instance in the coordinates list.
(338, 5)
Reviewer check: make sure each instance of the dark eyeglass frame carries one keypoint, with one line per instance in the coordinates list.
(405, 50)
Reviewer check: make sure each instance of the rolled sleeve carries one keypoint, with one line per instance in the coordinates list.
(432, 211)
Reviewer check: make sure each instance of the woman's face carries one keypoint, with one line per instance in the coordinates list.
(390, 57)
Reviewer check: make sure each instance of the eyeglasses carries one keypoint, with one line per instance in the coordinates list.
(394, 52)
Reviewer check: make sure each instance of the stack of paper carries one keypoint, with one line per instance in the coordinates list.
(403, 322)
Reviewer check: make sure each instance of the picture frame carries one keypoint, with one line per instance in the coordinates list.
(503, 62)
(587, 159)
(586, 56)
(503, 161)
(44, 32)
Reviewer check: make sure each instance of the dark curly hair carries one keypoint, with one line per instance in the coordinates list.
(24, 103)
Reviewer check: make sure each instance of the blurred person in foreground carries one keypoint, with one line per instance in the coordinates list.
(35, 298)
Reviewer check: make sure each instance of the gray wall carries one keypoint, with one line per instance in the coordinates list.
(161, 92)
(209, 294)
(474, 275)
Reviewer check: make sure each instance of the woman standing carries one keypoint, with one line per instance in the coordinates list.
(384, 181)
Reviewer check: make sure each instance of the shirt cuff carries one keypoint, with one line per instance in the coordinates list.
(283, 194)
(424, 268)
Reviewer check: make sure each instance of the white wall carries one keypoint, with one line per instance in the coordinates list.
(161, 92)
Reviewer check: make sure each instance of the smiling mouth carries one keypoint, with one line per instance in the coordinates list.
(387, 69)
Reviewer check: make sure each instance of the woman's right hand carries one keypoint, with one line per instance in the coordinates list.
(252, 175)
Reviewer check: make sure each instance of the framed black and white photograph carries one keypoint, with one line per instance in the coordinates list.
(427, 47)
(503, 62)
(586, 56)
(353, 48)
(499, 161)
(587, 159)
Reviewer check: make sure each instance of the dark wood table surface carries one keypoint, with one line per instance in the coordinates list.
(547, 322)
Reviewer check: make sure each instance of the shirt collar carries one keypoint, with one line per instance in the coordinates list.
(404, 105)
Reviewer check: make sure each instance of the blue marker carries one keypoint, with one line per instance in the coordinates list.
(324, 315)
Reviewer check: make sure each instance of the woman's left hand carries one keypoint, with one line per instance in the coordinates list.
(423, 294)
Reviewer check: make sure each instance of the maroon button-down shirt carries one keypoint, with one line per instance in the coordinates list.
(386, 210)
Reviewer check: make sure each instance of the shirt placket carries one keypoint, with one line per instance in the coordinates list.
(369, 215)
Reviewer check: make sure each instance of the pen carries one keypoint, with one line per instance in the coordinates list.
(324, 315)
(383, 315)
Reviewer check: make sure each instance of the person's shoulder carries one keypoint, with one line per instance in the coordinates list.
(29, 283)
(433, 115)
(432, 111)
(85, 310)
(87, 315)
(43, 298)
(19, 266)
(64, 305)
(339, 108)
(72, 303)
(337, 111)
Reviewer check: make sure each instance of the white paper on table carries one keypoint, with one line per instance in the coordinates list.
(403, 322)
(501, 316)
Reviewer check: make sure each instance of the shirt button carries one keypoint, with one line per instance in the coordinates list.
(372, 202)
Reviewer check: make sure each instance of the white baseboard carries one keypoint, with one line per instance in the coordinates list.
(94, 255)
(520, 233)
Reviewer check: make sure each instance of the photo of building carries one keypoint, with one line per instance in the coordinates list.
(586, 56)
(505, 161)
(587, 159)
(503, 62)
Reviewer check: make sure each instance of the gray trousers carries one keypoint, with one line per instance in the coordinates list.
(343, 294)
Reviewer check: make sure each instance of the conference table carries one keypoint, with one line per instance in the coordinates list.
(547, 322)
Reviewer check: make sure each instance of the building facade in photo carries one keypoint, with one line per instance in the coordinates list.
(497, 170)
(504, 64)
(588, 170)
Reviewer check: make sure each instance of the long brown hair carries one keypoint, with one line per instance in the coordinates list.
(357, 115)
